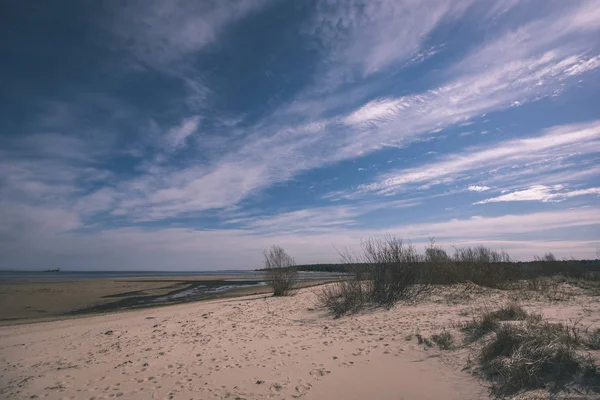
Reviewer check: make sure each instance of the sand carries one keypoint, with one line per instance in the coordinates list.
(254, 347)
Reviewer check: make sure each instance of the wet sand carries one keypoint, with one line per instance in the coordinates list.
(23, 302)
(33, 300)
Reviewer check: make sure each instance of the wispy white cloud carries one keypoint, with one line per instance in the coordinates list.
(478, 188)
(319, 219)
(571, 167)
(541, 193)
(523, 80)
(177, 136)
(50, 169)
(425, 54)
(567, 29)
(579, 138)
(491, 227)
(379, 110)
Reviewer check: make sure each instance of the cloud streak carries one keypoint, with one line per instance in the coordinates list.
(176, 137)
(541, 193)
(578, 138)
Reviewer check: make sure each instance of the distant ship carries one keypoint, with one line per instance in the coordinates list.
(53, 270)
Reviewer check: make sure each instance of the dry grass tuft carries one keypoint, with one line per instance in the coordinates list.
(444, 340)
(343, 297)
(487, 322)
(536, 354)
(510, 312)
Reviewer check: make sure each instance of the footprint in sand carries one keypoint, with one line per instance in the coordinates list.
(303, 388)
(319, 372)
(276, 387)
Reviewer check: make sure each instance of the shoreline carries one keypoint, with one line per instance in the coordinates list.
(32, 302)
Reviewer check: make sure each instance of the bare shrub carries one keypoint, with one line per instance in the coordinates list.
(441, 268)
(280, 270)
(385, 272)
(484, 266)
(548, 257)
(393, 270)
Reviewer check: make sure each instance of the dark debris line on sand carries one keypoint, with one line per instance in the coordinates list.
(148, 301)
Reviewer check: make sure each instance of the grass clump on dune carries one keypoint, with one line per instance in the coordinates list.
(510, 312)
(536, 354)
(487, 322)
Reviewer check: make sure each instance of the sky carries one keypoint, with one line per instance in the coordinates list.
(191, 135)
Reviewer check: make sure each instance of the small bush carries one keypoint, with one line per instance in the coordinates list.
(343, 297)
(280, 271)
(444, 340)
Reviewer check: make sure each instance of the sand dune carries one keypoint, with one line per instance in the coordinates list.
(244, 348)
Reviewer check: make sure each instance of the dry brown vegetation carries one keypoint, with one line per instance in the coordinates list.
(533, 353)
(280, 271)
(516, 351)
(385, 272)
(388, 270)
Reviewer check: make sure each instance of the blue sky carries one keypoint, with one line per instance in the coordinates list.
(184, 134)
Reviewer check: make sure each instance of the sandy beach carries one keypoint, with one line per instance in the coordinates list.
(256, 347)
